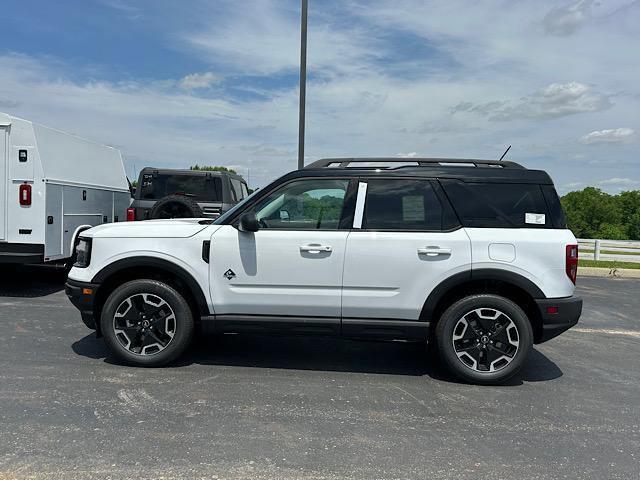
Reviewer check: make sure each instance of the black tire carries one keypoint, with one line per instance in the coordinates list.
(486, 348)
(181, 321)
(176, 206)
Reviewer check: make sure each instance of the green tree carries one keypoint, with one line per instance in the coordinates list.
(209, 168)
(587, 210)
(629, 203)
(592, 213)
(612, 232)
(633, 227)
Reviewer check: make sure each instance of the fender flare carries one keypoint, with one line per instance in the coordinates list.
(480, 274)
(146, 261)
(75, 236)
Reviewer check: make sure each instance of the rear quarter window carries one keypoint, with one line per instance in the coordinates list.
(555, 208)
(499, 205)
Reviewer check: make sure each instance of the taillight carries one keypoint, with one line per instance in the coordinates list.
(131, 214)
(25, 195)
(572, 262)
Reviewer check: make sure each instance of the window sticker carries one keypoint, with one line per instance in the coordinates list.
(413, 208)
(534, 218)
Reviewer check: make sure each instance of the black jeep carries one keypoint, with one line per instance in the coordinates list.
(166, 193)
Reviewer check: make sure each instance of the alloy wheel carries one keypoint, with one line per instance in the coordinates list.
(485, 340)
(144, 324)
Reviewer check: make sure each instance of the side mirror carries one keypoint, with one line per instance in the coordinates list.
(248, 223)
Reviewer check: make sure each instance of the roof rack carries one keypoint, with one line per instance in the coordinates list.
(410, 162)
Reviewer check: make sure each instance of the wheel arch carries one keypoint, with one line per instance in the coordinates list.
(132, 268)
(508, 284)
(76, 234)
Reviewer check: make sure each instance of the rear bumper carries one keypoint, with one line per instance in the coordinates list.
(82, 295)
(21, 253)
(568, 312)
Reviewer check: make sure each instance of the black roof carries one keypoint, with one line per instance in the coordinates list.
(469, 170)
(184, 171)
(422, 162)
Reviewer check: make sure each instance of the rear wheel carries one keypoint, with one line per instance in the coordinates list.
(484, 339)
(147, 323)
(176, 206)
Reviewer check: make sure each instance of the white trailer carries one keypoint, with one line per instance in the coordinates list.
(54, 185)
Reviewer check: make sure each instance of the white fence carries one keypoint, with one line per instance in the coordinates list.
(620, 250)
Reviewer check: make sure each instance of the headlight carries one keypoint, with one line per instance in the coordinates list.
(83, 253)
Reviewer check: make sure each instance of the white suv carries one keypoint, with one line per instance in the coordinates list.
(471, 255)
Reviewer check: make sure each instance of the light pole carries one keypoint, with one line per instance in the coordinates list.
(303, 82)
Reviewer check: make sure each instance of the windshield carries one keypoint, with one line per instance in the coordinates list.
(222, 218)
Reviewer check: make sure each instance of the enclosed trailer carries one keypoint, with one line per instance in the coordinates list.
(54, 185)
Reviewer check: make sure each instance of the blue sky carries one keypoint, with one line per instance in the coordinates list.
(215, 82)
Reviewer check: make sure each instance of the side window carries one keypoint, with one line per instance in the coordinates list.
(237, 192)
(308, 204)
(401, 205)
(498, 205)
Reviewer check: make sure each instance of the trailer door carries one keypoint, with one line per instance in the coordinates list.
(3, 182)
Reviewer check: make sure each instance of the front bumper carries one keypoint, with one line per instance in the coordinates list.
(82, 295)
(21, 253)
(567, 312)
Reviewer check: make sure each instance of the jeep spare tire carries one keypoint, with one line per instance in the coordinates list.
(176, 206)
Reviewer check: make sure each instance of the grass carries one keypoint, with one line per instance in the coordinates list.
(607, 264)
(610, 252)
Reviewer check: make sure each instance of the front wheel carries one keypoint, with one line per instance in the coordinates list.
(484, 339)
(146, 323)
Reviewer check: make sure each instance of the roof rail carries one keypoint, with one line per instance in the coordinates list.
(410, 162)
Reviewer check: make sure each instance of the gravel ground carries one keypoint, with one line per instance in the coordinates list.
(310, 408)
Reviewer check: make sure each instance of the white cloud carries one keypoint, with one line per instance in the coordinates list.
(151, 124)
(407, 155)
(620, 182)
(555, 100)
(129, 11)
(198, 80)
(567, 19)
(615, 135)
(490, 58)
(262, 37)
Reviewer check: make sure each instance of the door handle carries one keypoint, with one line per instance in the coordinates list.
(315, 248)
(434, 251)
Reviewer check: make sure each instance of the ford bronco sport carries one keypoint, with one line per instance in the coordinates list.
(471, 256)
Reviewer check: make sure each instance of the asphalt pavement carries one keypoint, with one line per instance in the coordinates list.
(312, 408)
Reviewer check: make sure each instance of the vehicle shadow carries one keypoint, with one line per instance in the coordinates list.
(31, 281)
(323, 354)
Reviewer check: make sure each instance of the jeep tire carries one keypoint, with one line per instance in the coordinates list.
(176, 206)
